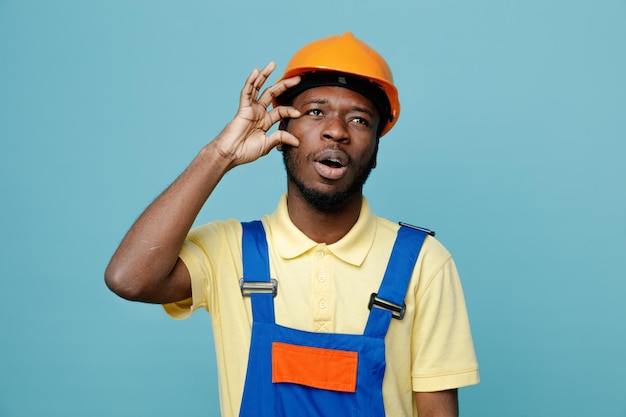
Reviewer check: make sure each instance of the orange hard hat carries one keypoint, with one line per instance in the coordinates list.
(349, 56)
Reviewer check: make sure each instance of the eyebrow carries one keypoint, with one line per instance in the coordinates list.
(316, 101)
(363, 110)
(353, 108)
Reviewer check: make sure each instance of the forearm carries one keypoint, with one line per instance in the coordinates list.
(437, 404)
(143, 263)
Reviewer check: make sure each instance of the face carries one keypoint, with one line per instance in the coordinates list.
(338, 145)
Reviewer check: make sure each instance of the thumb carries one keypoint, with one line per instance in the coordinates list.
(282, 137)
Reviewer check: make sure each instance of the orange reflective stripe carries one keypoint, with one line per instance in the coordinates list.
(314, 367)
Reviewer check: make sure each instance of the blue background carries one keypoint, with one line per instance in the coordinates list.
(510, 144)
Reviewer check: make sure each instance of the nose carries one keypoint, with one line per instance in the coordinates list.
(335, 129)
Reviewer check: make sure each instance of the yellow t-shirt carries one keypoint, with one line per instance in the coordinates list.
(326, 288)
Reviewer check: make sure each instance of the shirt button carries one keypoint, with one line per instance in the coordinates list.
(322, 278)
(322, 304)
(320, 255)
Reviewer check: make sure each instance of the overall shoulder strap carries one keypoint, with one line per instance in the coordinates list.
(389, 301)
(256, 282)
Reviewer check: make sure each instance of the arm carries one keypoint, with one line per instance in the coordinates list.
(437, 404)
(146, 266)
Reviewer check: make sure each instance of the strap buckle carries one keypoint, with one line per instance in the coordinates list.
(258, 287)
(397, 311)
(421, 229)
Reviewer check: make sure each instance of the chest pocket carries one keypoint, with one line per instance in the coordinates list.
(328, 369)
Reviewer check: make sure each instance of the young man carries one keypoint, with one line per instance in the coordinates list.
(304, 322)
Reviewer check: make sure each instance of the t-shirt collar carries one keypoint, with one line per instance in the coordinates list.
(352, 248)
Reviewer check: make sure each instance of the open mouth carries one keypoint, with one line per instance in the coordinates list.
(331, 164)
(332, 158)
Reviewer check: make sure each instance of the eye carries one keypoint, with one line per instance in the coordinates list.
(361, 120)
(314, 112)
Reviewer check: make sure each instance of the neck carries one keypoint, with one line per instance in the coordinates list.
(323, 226)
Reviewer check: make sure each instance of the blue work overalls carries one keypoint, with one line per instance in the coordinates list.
(343, 372)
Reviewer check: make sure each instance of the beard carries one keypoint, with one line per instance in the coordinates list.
(328, 201)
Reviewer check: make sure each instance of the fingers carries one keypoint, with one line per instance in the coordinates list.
(255, 81)
(270, 94)
(282, 137)
(282, 112)
(253, 114)
(262, 77)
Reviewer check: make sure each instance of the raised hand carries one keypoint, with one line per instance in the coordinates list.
(245, 138)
